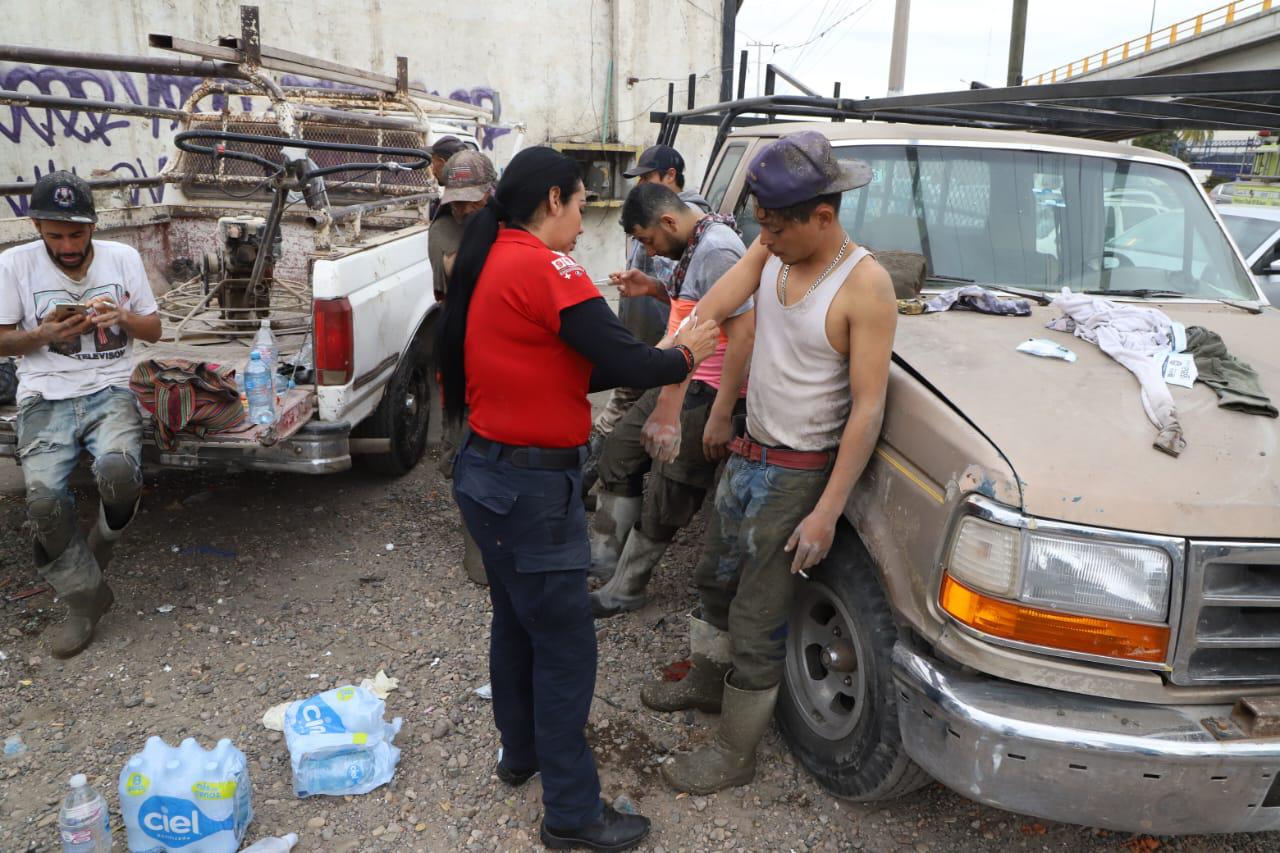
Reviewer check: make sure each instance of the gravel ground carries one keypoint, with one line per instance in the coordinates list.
(283, 586)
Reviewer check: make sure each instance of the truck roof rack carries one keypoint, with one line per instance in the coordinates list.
(1092, 109)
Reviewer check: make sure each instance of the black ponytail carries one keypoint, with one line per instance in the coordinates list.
(524, 186)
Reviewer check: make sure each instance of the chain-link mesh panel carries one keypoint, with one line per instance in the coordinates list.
(203, 170)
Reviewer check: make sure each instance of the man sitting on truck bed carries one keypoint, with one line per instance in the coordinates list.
(697, 416)
(71, 307)
(825, 318)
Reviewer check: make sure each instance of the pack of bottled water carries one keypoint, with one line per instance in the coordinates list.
(339, 743)
(186, 798)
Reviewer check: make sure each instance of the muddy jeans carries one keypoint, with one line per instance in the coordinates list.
(675, 490)
(744, 577)
(51, 436)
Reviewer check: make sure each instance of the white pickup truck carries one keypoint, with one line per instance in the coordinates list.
(249, 231)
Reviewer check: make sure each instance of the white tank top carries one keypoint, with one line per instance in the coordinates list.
(798, 395)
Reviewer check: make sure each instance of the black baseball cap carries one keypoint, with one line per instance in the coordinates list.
(657, 158)
(62, 196)
(447, 146)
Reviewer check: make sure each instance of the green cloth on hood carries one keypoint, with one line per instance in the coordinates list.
(1235, 382)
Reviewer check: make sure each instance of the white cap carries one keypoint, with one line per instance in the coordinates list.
(79, 780)
(290, 838)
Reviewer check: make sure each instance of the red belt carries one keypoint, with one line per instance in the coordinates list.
(800, 460)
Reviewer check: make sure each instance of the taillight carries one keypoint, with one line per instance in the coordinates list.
(335, 343)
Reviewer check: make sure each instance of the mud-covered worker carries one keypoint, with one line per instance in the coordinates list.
(695, 420)
(825, 319)
(469, 179)
(525, 337)
(73, 389)
(644, 315)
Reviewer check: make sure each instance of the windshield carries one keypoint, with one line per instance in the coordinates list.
(1250, 233)
(1039, 220)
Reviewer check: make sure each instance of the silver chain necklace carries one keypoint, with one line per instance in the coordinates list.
(835, 262)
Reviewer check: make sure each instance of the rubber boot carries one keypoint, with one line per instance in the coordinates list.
(76, 578)
(84, 610)
(730, 760)
(615, 516)
(102, 538)
(703, 686)
(472, 560)
(625, 590)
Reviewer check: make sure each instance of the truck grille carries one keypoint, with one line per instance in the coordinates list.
(1231, 618)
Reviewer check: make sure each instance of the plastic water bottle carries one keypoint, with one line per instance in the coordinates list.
(83, 821)
(265, 343)
(283, 844)
(336, 773)
(257, 387)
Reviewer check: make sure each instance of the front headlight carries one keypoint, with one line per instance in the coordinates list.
(1098, 578)
(1059, 586)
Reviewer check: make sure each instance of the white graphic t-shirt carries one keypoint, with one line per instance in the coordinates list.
(31, 284)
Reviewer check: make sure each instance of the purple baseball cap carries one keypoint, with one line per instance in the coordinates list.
(799, 167)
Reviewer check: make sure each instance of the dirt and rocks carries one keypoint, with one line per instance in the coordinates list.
(236, 592)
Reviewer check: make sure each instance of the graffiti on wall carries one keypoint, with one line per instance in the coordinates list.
(28, 125)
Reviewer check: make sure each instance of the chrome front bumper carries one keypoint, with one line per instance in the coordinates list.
(1078, 759)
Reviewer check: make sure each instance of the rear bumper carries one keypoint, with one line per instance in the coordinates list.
(1078, 759)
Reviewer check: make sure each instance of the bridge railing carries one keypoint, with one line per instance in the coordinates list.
(1222, 16)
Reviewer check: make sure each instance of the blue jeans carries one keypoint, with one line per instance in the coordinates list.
(532, 530)
(52, 434)
(744, 576)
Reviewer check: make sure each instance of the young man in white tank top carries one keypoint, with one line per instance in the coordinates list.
(825, 319)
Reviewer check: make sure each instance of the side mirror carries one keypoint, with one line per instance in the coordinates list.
(1274, 266)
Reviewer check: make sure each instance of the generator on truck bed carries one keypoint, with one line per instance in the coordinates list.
(303, 205)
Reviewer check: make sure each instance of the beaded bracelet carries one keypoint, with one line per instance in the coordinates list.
(688, 356)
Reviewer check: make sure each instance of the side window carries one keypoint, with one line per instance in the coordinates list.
(745, 213)
(724, 174)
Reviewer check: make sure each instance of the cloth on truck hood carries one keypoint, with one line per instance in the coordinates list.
(1235, 382)
(972, 297)
(1133, 336)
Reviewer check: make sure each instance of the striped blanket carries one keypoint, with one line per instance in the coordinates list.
(195, 397)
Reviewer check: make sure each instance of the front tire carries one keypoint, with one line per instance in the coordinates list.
(404, 414)
(838, 710)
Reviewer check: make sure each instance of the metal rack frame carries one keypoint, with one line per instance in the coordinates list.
(1093, 109)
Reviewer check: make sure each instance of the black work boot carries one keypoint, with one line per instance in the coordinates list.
(514, 778)
(612, 830)
(703, 686)
(84, 610)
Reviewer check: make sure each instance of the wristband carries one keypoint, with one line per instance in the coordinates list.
(688, 356)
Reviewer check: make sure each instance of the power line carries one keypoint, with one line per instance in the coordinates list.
(827, 30)
(825, 50)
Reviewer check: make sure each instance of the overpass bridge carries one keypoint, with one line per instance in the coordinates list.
(1239, 36)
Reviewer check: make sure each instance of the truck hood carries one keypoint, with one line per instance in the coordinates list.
(1076, 434)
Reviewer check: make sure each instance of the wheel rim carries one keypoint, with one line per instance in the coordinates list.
(825, 672)
(413, 407)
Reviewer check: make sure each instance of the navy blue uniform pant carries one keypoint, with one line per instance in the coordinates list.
(531, 528)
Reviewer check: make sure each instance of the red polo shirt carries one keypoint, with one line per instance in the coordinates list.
(525, 386)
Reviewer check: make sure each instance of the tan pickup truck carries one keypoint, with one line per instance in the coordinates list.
(1028, 602)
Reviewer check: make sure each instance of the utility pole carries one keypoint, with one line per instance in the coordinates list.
(1017, 42)
(758, 45)
(898, 54)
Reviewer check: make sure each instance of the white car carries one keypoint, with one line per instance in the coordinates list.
(1256, 230)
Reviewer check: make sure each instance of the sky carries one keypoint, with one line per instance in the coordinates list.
(950, 42)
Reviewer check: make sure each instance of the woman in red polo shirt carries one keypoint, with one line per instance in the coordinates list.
(526, 336)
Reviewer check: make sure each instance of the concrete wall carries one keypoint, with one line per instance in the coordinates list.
(541, 62)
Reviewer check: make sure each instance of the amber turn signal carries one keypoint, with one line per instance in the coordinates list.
(1084, 634)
